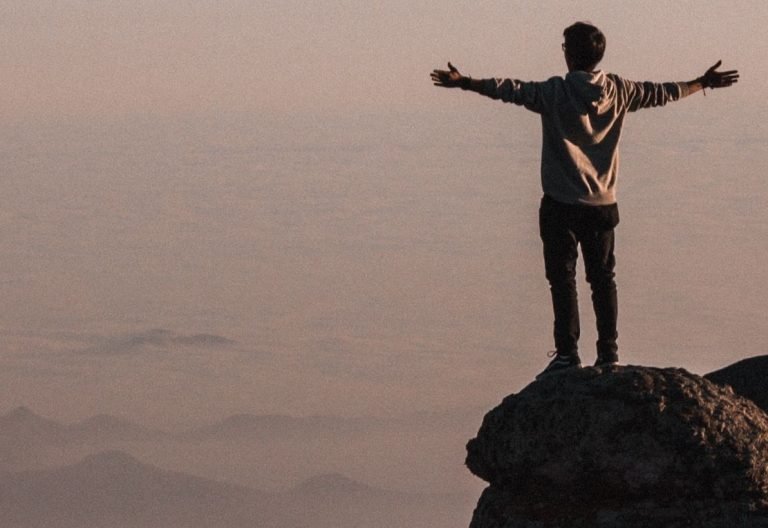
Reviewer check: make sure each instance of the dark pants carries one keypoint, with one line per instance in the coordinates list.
(563, 227)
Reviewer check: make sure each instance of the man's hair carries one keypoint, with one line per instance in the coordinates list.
(584, 45)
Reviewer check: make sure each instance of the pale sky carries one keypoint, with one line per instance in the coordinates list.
(219, 207)
(110, 57)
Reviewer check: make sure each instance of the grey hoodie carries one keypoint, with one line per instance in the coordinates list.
(581, 116)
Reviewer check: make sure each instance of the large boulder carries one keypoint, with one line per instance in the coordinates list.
(622, 447)
(746, 378)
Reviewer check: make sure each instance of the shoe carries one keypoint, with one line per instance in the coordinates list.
(606, 362)
(559, 363)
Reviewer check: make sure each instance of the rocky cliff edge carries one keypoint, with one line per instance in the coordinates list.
(622, 447)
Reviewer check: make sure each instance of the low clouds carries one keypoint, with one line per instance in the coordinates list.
(156, 340)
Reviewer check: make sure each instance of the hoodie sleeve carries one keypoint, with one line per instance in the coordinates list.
(531, 95)
(639, 95)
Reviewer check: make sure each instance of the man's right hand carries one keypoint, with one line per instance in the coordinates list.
(447, 79)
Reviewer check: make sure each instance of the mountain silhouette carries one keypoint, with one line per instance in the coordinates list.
(113, 488)
(21, 422)
(105, 427)
(280, 427)
(29, 441)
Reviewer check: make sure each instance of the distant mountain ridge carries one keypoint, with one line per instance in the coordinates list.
(281, 426)
(267, 452)
(25, 424)
(23, 421)
(114, 489)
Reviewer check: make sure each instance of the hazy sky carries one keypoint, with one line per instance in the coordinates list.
(217, 207)
(87, 58)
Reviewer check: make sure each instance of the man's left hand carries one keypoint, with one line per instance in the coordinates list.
(716, 79)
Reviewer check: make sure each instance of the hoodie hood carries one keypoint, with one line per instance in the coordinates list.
(591, 91)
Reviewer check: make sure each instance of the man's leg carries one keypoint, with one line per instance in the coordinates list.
(599, 261)
(560, 254)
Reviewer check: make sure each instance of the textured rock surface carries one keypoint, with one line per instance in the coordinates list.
(747, 378)
(624, 447)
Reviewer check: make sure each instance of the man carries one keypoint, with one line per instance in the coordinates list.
(582, 116)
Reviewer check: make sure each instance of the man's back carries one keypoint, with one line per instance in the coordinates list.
(582, 116)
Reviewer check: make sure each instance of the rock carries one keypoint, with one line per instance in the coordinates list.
(747, 378)
(622, 447)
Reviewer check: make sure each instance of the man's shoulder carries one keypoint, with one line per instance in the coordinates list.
(555, 79)
(616, 78)
(553, 85)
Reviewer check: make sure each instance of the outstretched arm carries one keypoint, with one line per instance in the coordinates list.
(527, 94)
(713, 79)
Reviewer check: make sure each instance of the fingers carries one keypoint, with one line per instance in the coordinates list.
(439, 77)
(716, 66)
(452, 68)
(725, 82)
(725, 79)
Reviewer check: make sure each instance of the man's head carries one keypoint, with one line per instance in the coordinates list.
(584, 46)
